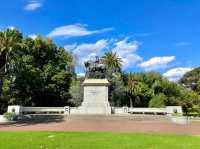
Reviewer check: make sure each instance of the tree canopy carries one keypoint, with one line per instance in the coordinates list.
(39, 72)
(9, 41)
(191, 79)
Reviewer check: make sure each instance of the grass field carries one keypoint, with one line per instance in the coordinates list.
(76, 140)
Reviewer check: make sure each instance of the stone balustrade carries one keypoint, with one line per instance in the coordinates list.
(77, 110)
(38, 110)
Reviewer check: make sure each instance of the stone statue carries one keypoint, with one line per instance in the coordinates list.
(95, 68)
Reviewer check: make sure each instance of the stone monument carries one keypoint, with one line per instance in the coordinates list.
(95, 87)
(95, 100)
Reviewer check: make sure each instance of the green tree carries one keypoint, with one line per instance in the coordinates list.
(40, 74)
(4, 99)
(112, 61)
(198, 87)
(170, 89)
(138, 92)
(117, 90)
(76, 92)
(158, 101)
(191, 78)
(113, 65)
(9, 41)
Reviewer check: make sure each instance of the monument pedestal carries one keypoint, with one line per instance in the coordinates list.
(95, 99)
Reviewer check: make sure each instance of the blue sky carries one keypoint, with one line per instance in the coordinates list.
(156, 35)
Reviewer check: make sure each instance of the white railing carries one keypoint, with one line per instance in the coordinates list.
(38, 110)
(59, 110)
(148, 110)
(76, 110)
(166, 110)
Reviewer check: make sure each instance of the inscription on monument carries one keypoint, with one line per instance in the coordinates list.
(92, 91)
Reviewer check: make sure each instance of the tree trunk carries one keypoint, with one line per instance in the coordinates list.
(131, 102)
(3, 60)
(1, 85)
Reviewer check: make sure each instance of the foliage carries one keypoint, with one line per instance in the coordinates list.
(9, 41)
(39, 74)
(198, 87)
(170, 89)
(138, 90)
(117, 90)
(112, 61)
(9, 114)
(151, 89)
(113, 65)
(188, 100)
(158, 101)
(76, 92)
(190, 79)
(4, 99)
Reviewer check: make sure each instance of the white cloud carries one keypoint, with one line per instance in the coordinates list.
(11, 27)
(176, 73)
(33, 5)
(183, 43)
(86, 51)
(70, 47)
(124, 48)
(75, 30)
(33, 36)
(157, 63)
(127, 51)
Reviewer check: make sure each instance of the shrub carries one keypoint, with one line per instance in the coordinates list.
(10, 116)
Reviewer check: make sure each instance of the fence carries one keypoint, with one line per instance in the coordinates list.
(38, 110)
(163, 111)
(76, 110)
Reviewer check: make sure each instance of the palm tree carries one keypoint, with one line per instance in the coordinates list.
(112, 61)
(9, 40)
(133, 88)
(130, 87)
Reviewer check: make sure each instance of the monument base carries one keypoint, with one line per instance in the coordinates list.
(99, 109)
(95, 99)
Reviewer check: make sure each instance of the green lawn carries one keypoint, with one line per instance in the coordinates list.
(76, 140)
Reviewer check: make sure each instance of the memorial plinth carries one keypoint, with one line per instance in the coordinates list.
(95, 99)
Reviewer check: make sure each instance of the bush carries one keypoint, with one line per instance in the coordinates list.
(193, 114)
(158, 101)
(10, 116)
(194, 111)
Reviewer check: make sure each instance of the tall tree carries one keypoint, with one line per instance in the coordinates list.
(113, 65)
(112, 61)
(137, 91)
(9, 40)
(76, 92)
(41, 74)
(191, 78)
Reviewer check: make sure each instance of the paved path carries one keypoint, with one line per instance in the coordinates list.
(144, 124)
